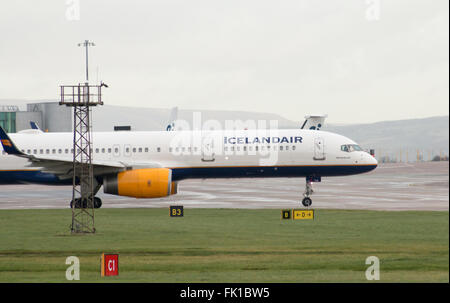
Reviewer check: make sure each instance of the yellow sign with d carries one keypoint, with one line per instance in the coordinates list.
(303, 214)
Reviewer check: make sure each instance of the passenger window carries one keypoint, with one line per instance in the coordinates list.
(109, 150)
(293, 147)
(103, 150)
(140, 149)
(146, 149)
(134, 149)
(158, 149)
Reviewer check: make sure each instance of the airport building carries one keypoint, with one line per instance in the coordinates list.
(50, 116)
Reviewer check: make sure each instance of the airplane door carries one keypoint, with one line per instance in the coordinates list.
(319, 149)
(208, 148)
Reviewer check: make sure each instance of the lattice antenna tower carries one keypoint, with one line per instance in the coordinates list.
(82, 97)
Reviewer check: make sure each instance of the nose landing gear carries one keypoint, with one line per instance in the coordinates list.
(309, 190)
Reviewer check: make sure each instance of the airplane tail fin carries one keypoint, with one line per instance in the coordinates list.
(34, 125)
(314, 122)
(173, 117)
(8, 145)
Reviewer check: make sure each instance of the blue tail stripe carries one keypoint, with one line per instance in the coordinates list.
(7, 144)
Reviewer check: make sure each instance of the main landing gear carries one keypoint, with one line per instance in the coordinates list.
(309, 190)
(82, 203)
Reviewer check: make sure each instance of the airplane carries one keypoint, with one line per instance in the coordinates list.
(149, 164)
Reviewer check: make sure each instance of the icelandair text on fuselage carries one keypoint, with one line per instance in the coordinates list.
(261, 140)
(228, 292)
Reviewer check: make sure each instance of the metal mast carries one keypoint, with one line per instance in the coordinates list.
(86, 44)
(81, 97)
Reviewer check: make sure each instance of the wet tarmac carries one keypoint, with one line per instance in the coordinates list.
(399, 186)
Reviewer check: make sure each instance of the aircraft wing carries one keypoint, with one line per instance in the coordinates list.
(63, 168)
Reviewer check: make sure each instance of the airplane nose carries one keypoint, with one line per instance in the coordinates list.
(371, 160)
(375, 162)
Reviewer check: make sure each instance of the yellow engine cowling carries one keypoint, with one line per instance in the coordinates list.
(141, 183)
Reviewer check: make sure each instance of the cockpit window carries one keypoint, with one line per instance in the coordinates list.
(350, 147)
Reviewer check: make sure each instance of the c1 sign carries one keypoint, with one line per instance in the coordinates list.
(110, 265)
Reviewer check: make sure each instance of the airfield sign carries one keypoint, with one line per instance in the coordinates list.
(303, 214)
(110, 265)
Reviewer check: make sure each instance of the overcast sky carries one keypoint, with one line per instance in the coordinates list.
(356, 60)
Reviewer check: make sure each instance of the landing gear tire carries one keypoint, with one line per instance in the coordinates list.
(77, 204)
(307, 202)
(83, 203)
(97, 202)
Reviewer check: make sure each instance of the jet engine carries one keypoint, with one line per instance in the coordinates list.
(141, 183)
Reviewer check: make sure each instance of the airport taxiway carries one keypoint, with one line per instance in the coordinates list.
(396, 186)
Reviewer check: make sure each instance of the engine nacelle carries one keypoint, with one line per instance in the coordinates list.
(141, 183)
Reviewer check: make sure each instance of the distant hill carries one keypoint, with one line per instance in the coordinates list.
(429, 136)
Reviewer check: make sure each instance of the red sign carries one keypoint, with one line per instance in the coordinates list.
(110, 265)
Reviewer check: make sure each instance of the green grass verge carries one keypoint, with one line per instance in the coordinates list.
(227, 245)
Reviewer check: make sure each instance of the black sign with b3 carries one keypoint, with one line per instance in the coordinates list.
(176, 211)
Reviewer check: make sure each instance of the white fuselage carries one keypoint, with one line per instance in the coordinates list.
(206, 154)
